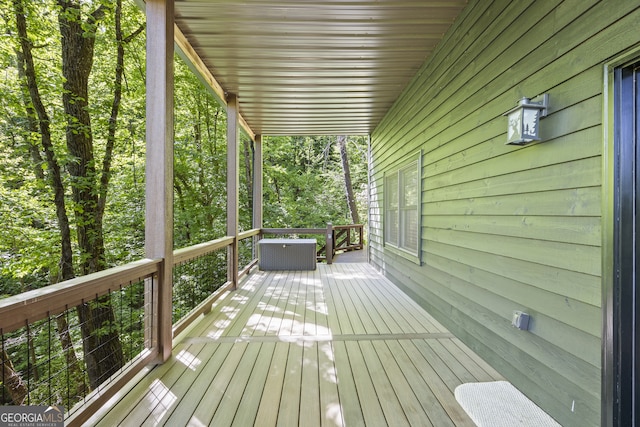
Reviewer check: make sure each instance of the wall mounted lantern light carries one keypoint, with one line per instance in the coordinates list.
(523, 120)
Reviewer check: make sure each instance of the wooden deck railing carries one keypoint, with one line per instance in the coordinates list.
(337, 238)
(348, 237)
(56, 372)
(40, 310)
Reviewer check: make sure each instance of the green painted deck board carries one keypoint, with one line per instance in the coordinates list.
(408, 399)
(331, 410)
(215, 386)
(437, 416)
(250, 400)
(270, 402)
(389, 400)
(438, 377)
(289, 412)
(339, 322)
(336, 346)
(310, 387)
(234, 393)
(349, 396)
(369, 400)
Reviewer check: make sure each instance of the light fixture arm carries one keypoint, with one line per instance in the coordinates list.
(540, 102)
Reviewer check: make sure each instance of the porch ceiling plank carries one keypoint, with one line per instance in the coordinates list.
(281, 349)
(198, 66)
(346, 51)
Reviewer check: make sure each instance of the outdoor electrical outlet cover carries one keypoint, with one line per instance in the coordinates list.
(520, 320)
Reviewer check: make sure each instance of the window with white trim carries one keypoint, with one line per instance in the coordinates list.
(402, 208)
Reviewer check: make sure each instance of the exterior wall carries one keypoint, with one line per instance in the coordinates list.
(509, 228)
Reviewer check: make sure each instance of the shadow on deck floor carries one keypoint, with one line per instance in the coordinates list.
(338, 346)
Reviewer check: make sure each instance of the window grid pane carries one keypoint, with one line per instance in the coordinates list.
(391, 201)
(409, 230)
(401, 208)
(409, 206)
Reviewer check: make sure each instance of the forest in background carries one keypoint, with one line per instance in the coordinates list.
(72, 155)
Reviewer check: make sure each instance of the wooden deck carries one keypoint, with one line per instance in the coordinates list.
(337, 346)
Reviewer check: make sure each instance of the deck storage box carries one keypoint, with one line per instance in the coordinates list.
(287, 254)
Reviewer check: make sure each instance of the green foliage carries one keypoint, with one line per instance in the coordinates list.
(199, 161)
(304, 182)
(303, 179)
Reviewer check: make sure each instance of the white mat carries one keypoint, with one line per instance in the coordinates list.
(500, 404)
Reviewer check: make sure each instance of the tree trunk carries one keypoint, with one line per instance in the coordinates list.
(74, 370)
(36, 111)
(33, 360)
(78, 40)
(55, 176)
(12, 380)
(32, 120)
(101, 342)
(351, 201)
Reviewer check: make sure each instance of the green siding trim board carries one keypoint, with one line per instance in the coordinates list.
(578, 230)
(564, 176)
(512, 228)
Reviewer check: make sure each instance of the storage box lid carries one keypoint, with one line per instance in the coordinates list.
(288, 242)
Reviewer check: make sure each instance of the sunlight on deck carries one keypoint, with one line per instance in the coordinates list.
(339, 346)
(160, 396)
(188, 360)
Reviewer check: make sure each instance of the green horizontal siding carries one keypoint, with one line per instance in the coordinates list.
(509, 228)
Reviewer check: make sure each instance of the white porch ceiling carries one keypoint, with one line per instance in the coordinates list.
(314, 67)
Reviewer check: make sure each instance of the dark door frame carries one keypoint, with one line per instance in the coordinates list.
(621, 338)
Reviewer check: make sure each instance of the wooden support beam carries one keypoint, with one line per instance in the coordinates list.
(159, 165)
(257, 182)
(233, 185)
(329, 243)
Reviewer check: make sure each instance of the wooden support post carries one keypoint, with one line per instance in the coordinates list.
(233, 185)
(257, 191)
(329, 243)
(159, 166)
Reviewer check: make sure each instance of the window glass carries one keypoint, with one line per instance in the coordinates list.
(402, 201)
(392, 217)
